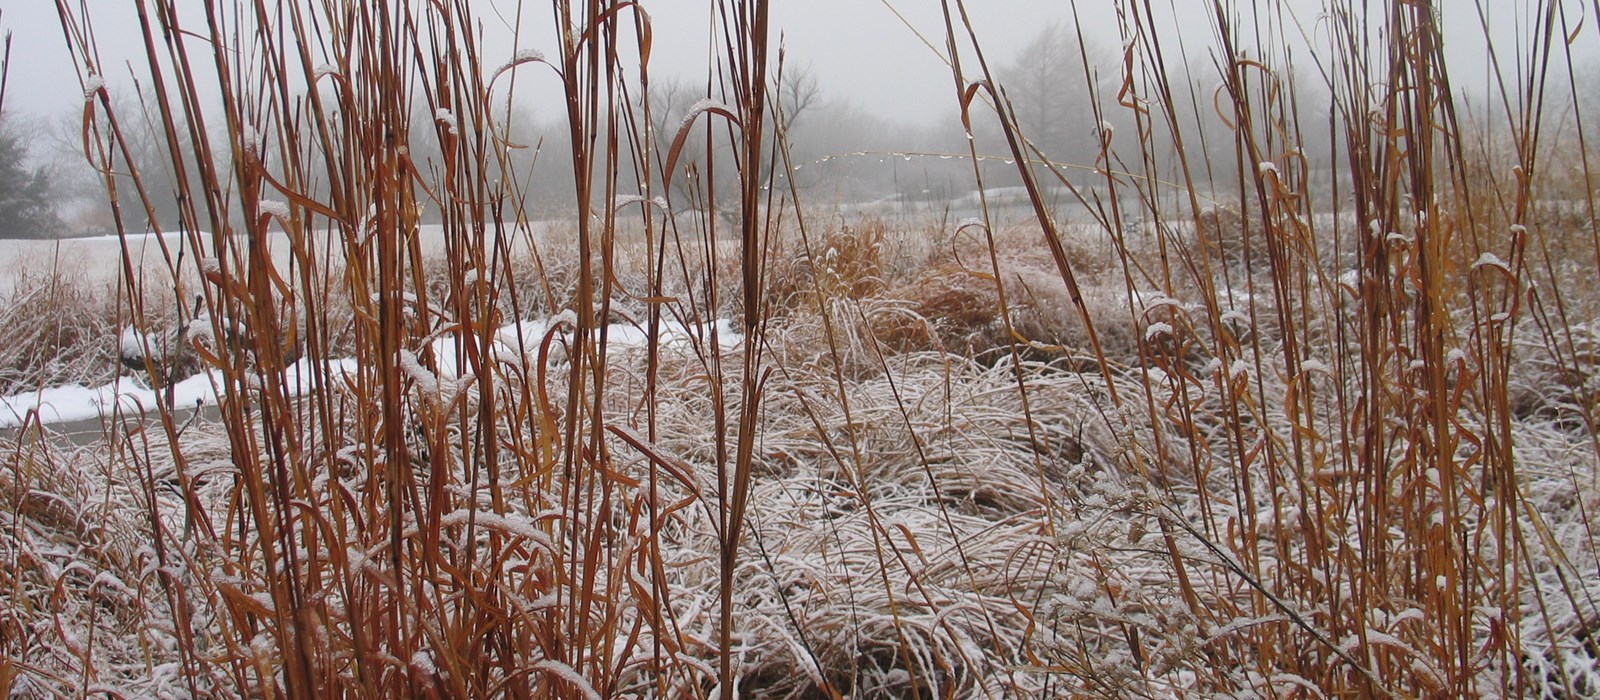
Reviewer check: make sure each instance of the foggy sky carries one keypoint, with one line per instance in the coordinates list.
(858, 49)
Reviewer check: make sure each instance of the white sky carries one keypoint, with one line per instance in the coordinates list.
(859, 50)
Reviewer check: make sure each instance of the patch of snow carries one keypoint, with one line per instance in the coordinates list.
(200, 330)
(92, 86)
(130, 347)
(423, 661)
(274, 207)
(1490, 260)
(567, 316)
(76, 402)
(425, 378)
(510, 524)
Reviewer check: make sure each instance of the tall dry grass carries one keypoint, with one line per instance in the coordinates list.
(1323, 440)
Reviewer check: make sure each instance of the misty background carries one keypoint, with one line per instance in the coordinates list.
(869, 105)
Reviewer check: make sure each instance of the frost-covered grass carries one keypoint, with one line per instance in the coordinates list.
(1267, 438)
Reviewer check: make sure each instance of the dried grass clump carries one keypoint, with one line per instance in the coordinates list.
(896, 523)
(58, 331)
(1557, 378)
(958, 310)
(955, 311)
(1231, 235)
(1271, 483)
(849, 262)
(81, 589)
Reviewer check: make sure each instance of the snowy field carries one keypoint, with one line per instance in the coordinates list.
(98, 259)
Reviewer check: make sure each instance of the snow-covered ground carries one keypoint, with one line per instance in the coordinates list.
(98, 259)
(129, 395)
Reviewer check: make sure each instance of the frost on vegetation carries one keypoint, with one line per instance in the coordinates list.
(627, 199)
(572, 677)
(511, 524)
(423, 661)
(1236, 316)
(131, 345)
(200, 330)
(705, 104)
(92, 86)
(1239, 369)
(566, 317)
(425, 378)
(1491, 260)
(448, 119)
(273, 207)
(965, 224)
(520, 57)
(1157, 330)
(1266, 167)
(324, 70)
(1159, 301)
(250, 138)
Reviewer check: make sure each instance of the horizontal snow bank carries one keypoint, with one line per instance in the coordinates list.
(130, 396)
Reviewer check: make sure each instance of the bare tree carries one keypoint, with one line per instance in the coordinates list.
(1054, 85)
(798, 93)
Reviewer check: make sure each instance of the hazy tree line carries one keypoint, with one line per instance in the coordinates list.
(27, 191)
(1065, 95)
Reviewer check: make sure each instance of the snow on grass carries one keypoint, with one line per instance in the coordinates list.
(1157, 330)
(512, 343)
(521, 341)
(448, 119)
(274, 207)
(92, 86)
(131, 345)
(76, 402)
